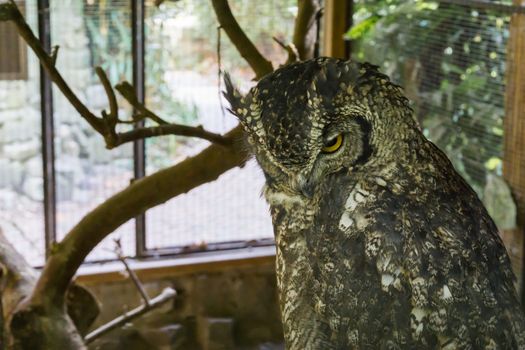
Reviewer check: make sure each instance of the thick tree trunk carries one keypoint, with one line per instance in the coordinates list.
(60, 329)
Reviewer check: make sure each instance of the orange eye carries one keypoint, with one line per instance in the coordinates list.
(332, 145)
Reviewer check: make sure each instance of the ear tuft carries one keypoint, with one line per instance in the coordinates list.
(232, 95)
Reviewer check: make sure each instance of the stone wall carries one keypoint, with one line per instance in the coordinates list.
(234, 307)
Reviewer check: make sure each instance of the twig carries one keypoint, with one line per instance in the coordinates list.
(131, 273)
(293, 54)
(260, 65)
(171, 129)
(106, 126)
(127, 91)
(140, 196)
(166, 295)
(304, 35)
(9, 12)
(111, 117)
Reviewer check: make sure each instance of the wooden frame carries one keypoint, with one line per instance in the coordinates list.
(337, 20)
(514, 138)
(16, 47)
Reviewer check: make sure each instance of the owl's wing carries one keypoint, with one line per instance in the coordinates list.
(458, 274)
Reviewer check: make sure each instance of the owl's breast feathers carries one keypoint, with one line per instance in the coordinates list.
(409, 264)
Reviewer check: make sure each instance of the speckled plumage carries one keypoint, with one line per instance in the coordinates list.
(380, 245)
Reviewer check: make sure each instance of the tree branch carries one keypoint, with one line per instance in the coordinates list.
(111, 118)
(141, 195)
(305, 28)
(9, 12)
(105, 126)
(127, 91)
(44, 307)
(171, 129)
(260, 65)
(293, 54)
(17, 280)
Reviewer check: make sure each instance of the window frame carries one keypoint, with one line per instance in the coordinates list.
(8, 29)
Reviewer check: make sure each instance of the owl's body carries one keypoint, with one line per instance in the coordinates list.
(380, 243)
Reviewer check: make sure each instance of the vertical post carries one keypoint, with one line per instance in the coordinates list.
(337, 20)
(514, 137)
(48, 149)
(138, 43)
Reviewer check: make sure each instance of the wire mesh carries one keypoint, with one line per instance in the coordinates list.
(90, 34)
(182, 85)
(21, 179)
(450, 57)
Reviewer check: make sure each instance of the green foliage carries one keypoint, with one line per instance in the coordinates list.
(451, 61)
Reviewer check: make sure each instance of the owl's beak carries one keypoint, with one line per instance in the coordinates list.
(308, 190)
(305, 185)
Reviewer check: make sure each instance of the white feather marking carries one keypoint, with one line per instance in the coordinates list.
(446, 292)
(386, 281)
(346, 221)
(281, 198)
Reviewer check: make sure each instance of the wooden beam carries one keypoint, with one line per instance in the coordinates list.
(514, 136)
(337, 20)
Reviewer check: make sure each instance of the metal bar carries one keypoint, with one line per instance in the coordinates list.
(48, 150)
(485, 5)
(211, 247)
(162, 298)
(138, 42)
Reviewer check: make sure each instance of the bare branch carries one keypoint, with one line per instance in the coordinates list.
(9, 12)
(128, 92)
(111, 118)
(305, 28)
(17, 280)
(293, 54)
(141, 195)
(166, 295)
(106, 126)
(47, 298)
(171, 129)
(260, 65)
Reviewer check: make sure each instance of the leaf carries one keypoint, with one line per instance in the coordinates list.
(362, 28)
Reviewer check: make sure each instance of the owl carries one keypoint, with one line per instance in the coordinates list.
(380, 242)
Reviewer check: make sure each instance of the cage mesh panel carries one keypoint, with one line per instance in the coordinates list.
(182, 86)
(90, 33)
(21, 179)
(450, 58)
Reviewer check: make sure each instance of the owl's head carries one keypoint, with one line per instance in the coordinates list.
(309, 120)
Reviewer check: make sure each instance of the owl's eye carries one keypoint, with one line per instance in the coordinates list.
(332, 145)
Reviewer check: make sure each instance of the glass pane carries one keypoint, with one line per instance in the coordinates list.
(21, 179)
(90, 33)
(182, 86)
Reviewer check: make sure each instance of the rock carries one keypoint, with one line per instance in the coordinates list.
(13, 94)
(76, 59)
(167, 337)
(22, 151)
(22, 125)
(97, 150)
(34, 167)
(64, 186)
(215, 333)
(10, 174)
(96, 97)
(33, 188)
